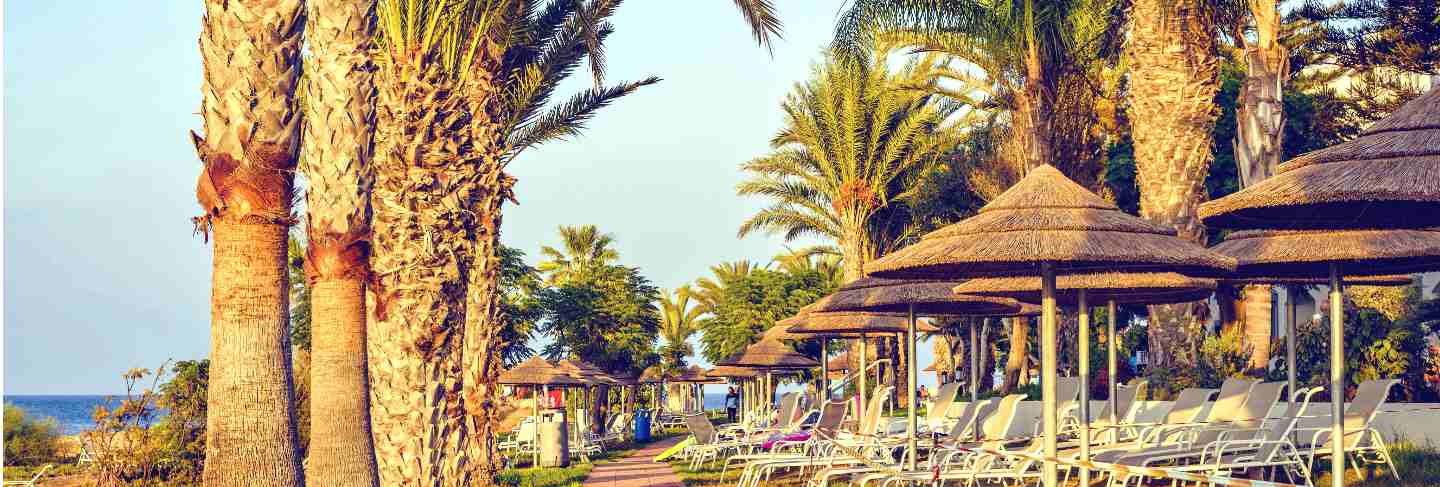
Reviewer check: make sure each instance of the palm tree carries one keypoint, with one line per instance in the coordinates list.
(463, 87)
(1259, 135)
(706, 291)
(1035, 61)
(822, 260)
(339, 105)
(678, 322)
(582, 247)
(251, 55)
(856, 140)
(1174, 76)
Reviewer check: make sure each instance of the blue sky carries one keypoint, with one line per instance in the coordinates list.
(102, 273)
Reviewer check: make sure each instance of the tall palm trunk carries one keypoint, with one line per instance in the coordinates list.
(482, 323)
(1173, 80)
(1257, 310)
(1259, 138)
(433, 140)
(339, 109)
(1019, 350)
(856, 250)
(251, 54)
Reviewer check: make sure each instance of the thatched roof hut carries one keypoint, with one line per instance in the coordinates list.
(1124, 288)
(1295, 253)
(1047, 218)
(536, 371)
(769, 354)
(927, 297)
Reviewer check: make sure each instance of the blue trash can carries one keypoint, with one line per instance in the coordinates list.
(642, 425)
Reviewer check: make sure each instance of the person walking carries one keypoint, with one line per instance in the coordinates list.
(732, 404)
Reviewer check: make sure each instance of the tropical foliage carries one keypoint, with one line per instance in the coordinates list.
(748, 305)
(857, 138)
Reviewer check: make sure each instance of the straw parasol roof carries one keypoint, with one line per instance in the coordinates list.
(1141, 288)
(928, 297)
(586, 372)
(1383, 179)
(651, 375)
(840, 362)
(731, 371)
(1395, 280)
(692, 374)
(536, 371)
(770, 354)
(853, 323)
(1048, 218)
(1294, 253)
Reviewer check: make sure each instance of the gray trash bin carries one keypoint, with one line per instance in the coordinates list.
(554, 439)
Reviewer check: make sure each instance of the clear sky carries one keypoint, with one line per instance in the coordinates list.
(102, 272)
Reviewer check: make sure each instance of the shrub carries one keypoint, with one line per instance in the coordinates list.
(29, 441)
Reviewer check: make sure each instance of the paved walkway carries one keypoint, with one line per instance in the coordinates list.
(637, 469)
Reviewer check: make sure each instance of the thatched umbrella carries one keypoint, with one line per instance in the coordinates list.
(769, 355)
(850, 324)
(1079, 290)
(1333, 254)
(931, 298)
(695, 377)
(1291, 285)
(1383, 179)
(1047, 225)
(537, 373)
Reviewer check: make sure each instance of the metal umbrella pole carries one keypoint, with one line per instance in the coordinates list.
(913, 379)
(1112, 367)
(824, 392)
(1083, 332)
(1337, 377)
(862, 373)
(1048, 373)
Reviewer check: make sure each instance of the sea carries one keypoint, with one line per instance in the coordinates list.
(73, 413)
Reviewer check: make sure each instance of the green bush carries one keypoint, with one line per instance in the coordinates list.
(29, 441)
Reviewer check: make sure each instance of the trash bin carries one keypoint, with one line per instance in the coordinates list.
(554, 439)
(642, 425)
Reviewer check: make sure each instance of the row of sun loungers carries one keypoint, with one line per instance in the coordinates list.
(967, 443)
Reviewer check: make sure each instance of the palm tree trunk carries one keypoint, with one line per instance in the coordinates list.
(251, 54)
(1257, 305)
(1019, 350)
(1173, 80)
(1259, 138)
(340, 110)
(250, 436)
(483, 321)
(1035, 110)
(424, 232)
(341, 452)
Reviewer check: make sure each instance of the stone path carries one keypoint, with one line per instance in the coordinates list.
(637, 469)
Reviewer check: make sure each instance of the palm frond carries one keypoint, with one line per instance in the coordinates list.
(567, 119)
(764, 23)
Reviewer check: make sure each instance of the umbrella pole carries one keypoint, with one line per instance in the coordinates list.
(535, 436)
(1048, 370)
(913, 376)
(1290, 296)
(1112, 367)
(975, 362)
(1337, 377)
(863, 355)
(824, 370)
(1083, 331)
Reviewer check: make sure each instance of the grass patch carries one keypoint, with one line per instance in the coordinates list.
(1417, 465)
(27, 472)
(570, 476)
